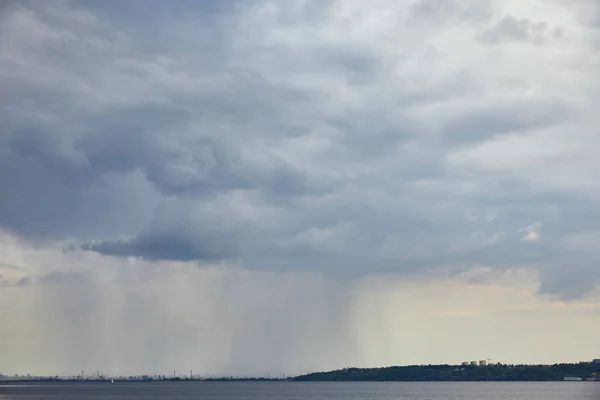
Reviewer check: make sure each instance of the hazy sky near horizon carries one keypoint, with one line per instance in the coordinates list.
(258, 187)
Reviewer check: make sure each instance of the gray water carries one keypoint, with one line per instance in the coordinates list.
(303, 391)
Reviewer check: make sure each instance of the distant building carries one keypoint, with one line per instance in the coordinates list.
(596, 360)
(483, 363)
(465, 363)
(473, 362)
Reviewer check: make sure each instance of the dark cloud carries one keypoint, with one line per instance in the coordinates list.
(177, 244)
(332, 137)
(565, 279)
(483, 123)
(511, 28)
(49, 192)
(24, 281)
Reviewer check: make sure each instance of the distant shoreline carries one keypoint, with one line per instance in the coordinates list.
(273, 381)
(582, 372)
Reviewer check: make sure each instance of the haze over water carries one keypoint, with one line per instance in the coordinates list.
(305, 391)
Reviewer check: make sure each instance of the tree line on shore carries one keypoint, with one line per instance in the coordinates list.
(495, 372)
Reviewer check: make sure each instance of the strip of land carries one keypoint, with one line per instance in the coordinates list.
(497, 372)
(583, 371)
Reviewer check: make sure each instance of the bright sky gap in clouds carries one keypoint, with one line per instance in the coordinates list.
(257, 187)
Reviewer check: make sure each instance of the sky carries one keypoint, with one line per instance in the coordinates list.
(253, 187)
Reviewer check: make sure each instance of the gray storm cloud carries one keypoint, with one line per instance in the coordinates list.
(346, 138)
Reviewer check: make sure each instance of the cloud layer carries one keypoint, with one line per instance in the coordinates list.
(343, 137)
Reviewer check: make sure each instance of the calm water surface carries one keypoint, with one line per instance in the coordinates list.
(303, 391)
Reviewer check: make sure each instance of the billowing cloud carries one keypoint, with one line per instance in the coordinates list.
(342, 137)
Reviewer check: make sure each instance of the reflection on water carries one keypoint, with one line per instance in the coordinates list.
(304, 391)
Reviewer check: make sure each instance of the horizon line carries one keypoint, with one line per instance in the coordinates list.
(97, 376)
